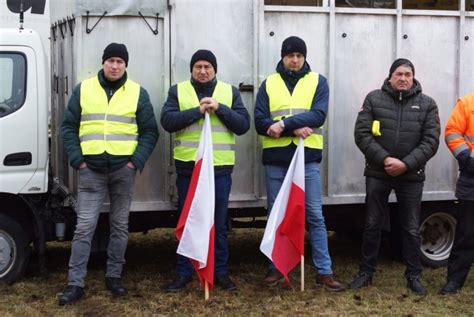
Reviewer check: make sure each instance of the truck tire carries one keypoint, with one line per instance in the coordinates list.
(14, 250)
(437, 236)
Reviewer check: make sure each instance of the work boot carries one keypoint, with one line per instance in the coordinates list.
(70, 294)
(414, 284)
(273, 278)
(450, 288)
(362, 279)
(225, 283)
(178, 283)
(114, 285)
(329, 283)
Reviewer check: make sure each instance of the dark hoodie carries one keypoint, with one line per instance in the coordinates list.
(409, 126)
(314, 118)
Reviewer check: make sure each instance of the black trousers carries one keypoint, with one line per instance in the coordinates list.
(409, 204)
(462, 253)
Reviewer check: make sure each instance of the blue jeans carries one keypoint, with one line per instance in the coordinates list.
(274, 176)
(93, 189)
(223, 185)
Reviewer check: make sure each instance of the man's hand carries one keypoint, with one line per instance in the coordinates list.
(82, 165)
(131, 165)
(394, 166)
(303, 132)
(208, 104)
(275, 130)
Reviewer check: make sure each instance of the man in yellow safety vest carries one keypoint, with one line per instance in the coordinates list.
(293, 103)
(109, 131)
(183, 114)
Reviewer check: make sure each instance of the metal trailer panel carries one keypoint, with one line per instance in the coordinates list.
(353, 47)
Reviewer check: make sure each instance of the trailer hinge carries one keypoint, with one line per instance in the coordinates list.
(87, 22)
(155, 31)
(71, 22)
(53, 30)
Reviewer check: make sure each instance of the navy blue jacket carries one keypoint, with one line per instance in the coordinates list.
(314, 118)
(235, 117)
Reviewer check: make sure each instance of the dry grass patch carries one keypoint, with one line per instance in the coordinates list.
(150, 266)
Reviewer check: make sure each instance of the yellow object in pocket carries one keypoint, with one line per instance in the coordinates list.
(376, 128)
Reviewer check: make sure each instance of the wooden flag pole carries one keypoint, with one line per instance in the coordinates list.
(302, 273)
(206, 290)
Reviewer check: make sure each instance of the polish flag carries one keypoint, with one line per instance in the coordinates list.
(283, 240)
(195, 229)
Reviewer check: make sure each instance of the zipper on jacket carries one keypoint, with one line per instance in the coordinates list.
(399, 117)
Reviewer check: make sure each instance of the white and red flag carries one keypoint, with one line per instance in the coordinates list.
(195, 229)
(283, 240)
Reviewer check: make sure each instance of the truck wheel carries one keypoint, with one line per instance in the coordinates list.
(14, 250)
(437, 236)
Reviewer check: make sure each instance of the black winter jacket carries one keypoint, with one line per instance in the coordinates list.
(409, 126)
(105, 163)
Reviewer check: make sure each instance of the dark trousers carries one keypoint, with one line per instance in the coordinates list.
(462, 253)
(223, 185)
(409, 203)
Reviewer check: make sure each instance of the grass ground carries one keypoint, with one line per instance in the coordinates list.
(150, 263)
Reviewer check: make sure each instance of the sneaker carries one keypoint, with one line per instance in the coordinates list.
(414, 284)
(114, 285)
(178, 283)
(450, 288)
(362, 279)
(225, 283)
(70, 295)
(273, 278)
(329, 283)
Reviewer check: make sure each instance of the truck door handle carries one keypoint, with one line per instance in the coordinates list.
(18, 159)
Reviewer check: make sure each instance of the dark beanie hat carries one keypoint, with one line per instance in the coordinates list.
(401, 62)
(293, 44)
(203, 55)
(115, 50)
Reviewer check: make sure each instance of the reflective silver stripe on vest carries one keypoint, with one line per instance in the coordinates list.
(469, 138)
(198, 127)
(453, 136)
(287, 112)
(110, 117)
(472, 154)
(461, 148)
(111, 137)
(193, 144)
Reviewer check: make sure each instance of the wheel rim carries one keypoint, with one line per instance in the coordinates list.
(7, 253)
(437, 236)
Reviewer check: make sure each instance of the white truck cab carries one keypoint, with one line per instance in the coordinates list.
(23, 146)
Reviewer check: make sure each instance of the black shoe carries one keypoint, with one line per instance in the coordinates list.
(114, 285)
(225, 283)
(363, 279)
(179, 283)
(70, 294)
(450, 288)
(414, 284)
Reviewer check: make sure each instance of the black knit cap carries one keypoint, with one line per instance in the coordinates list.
(401, 62)
(115, 50)
(203, 55)
(293, 44)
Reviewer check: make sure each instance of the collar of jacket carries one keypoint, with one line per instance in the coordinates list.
(111, 85)
(414, 90)
(291, 75)
(206, 88)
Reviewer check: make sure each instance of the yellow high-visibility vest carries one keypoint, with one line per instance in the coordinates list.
(282, 104)
(108, 126)
(187, 140)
